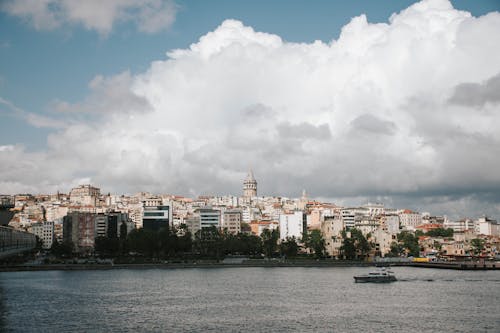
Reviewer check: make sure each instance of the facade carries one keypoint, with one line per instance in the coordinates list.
(292, 225)
(391, 223)
(108, 224)
(231, 221)
(157, 217)
(331, 229)
(250, 186)
(85, 195)
(79, 229)
(409, 220)
(209, 217)
(487, 226)
(45, 232)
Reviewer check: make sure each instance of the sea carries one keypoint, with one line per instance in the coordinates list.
(248, 299)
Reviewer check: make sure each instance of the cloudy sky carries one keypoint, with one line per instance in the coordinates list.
(396, 101)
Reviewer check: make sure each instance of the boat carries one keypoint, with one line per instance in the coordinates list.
(380, 275)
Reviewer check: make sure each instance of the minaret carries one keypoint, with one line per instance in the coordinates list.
(250, 186)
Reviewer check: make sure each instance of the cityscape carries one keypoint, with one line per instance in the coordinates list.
(249, 166)
(85, 218)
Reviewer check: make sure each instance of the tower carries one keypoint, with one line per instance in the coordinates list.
(250, 186)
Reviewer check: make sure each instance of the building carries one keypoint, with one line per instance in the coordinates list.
(209, 217)
(108, 224)
(487, 226)
(85, 195)
(45, 232)
(331, 229)
(292, 225)
(391, 223)
(250, 186)
(79, 229)
(258, 227)
(409, 220)
(157, 217)
(231, 221)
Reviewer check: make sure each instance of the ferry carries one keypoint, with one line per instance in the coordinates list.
(379, 276)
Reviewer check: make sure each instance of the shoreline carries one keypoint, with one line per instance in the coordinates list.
(249, 264)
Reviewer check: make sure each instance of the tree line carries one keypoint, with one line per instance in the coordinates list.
(212, 243)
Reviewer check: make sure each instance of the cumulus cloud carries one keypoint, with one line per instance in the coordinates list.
(108, 95)
(149, 15)
(477, 94)
(367, 115)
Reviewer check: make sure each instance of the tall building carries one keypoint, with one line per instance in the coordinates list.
(293, 225)
(157, 217)
(79, 229)
(250, 186)
(85, 195)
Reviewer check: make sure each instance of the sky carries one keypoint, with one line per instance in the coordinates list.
(361, 101)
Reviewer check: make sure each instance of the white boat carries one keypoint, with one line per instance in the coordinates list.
(380, 275)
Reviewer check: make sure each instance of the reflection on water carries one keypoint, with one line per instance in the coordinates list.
(250, 300)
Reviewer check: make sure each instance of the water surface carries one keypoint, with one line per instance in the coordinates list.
(249, 300)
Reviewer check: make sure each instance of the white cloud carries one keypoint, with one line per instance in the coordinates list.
(149, 15)
(367, 115)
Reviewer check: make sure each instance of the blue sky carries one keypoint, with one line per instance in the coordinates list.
(68, 74)
(38, 67)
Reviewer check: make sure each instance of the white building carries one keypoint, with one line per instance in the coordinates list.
(391, 223)
(460, 225)
(209, 217)
(409, 220)
(292, 225)
(487, 226)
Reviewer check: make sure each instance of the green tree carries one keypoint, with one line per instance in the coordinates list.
(314, 241)
(107, 246)
(123, 231)
(145, 242)
(270, 241)
(356, 246)
(289, 247)
(477, 245)
(440, 232)
(396, 250)
(64, 249)
(208, 243)
(410, 243)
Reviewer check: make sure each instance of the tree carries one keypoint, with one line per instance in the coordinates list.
(208, 242)
(410, 243)
(289, 247)
(356, 246)
(123, 231)
(396, 250)
(314, 241)
(440, 232)
(269, 241)
(144, 241)
(107, 246)
(64, 249)
(477, 245)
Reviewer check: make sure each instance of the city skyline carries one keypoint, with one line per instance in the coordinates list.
(395, 103)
